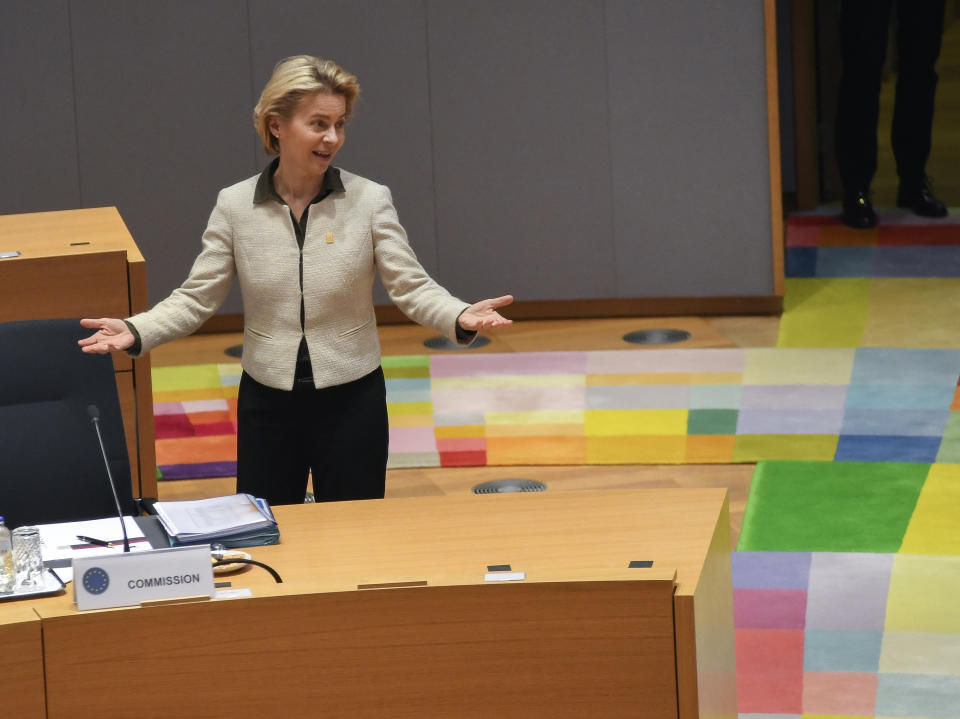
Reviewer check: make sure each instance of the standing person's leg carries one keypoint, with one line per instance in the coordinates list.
(919, 37)
(271, 449)
(864, 27)
(349, 440)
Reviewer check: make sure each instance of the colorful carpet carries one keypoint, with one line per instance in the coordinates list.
(712, 406)
(847, 574)
(845, 591)
(894, 286)
(195, 420)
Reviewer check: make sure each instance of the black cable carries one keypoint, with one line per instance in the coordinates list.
(224, 562)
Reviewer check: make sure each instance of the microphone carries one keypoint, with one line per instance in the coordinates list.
(94, 413)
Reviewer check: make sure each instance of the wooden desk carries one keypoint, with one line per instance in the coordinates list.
(583, 636)
(85, 263)
(21, 662)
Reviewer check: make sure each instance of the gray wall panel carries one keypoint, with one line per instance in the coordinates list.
(39, 147)
(384, 43)
(689, 137)
(556, 149)
(521, 153)
(163, 111)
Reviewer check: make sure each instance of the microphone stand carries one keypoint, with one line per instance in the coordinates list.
(94, 412)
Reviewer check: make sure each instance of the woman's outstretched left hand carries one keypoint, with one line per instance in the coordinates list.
(483, 314)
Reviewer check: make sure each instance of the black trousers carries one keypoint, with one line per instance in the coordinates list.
(340, 433)
(864, 28)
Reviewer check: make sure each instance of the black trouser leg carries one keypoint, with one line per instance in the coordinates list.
(340, 432)
(351, 435)
(272, 458)
(919, 36)
(864, 27)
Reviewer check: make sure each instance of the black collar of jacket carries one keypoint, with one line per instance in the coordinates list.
(266, 190)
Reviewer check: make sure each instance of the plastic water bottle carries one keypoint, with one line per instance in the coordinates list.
(8, 575)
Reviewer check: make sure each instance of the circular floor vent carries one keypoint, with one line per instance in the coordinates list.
(501, 486)
(656, 337)
(234, 351)
(442, 343)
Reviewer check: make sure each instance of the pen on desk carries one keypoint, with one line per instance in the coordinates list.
(93, 540)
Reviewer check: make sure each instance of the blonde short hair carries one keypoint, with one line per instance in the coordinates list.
(293, 79)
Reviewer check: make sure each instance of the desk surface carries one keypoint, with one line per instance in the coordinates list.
(577, 638)
(67, 232)
(450, 541)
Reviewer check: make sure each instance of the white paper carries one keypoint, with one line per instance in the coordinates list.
(233, 593)
(210, 518)
(504, 576)
(60, 541)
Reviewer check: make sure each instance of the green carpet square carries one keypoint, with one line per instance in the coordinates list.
(712, 421)
(405, 361)
(830, 506)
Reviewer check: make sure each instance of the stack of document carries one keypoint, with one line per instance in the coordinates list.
(238, 520)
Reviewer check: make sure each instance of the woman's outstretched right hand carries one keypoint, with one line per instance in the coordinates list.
(112, 336)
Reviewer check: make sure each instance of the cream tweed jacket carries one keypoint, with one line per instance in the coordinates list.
(350, 235)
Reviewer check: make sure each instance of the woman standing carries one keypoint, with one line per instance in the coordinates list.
(305, 240)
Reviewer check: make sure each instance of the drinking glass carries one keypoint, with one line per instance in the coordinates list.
(27, 556)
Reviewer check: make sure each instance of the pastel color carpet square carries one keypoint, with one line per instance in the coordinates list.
(841, 236)
(843, 262)
(916, 261)
(920, 653)
(842, 651)
(787, 421)
(534, 450)
(764, 685)
(712, 421)
(759, 447)
(839, 693)
(824, 312)
(798, 366)
(906, 367)
(897, 397)
(770, 570)
(913, 312)
(770, 608)
(800, 261)
(847, 591)
(886, 448)
(923, 594)
(614, 449)
(922, 696)
(710, 448)
(935, 524)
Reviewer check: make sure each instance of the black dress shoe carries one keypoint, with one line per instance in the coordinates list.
(858, 210)
(920, 200)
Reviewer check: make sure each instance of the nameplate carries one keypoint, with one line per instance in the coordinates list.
(124, 580)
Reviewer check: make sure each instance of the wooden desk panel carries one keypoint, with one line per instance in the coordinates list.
(584, 635)
(77, 263)
(528, 650)
(21, 662)
(40, 288)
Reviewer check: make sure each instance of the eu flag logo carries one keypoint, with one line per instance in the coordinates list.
(96, 580)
